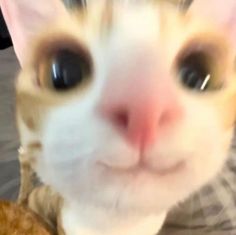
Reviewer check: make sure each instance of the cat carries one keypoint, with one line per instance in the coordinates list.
(124, 109)
(17, 220)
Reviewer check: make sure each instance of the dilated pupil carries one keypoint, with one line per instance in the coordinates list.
(67, 69)
(194, 72)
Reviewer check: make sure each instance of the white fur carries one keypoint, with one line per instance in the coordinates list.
(77, 139)
(88, 220)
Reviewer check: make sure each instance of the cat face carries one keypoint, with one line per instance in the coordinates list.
(131, 109)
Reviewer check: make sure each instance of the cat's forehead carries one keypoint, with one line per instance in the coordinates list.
(128, 21)
(142, 19)
(119, 27)
(146, 23)
(119, 15)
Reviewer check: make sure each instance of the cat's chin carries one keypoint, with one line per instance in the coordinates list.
(138, 190)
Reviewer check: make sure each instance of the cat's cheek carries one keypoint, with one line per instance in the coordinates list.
(71, 152)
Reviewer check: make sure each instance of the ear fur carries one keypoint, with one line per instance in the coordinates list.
(219, 12)
(25, 18)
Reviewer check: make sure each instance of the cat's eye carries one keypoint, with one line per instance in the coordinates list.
(198, 66)
(68, 69)
(195, 71)
(63, 68)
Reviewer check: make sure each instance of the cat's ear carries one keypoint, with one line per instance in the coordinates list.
(25, 18)
(218, 11)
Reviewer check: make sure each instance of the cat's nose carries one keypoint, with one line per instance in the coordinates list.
(140, 108)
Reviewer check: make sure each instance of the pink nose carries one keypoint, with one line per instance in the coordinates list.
(140, 107)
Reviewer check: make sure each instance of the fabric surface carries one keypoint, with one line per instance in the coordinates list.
(212, 210)
(9, 171)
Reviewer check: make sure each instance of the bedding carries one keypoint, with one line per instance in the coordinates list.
(9, 168)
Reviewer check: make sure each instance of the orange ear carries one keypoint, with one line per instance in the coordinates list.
(220, 12)
(24, 18)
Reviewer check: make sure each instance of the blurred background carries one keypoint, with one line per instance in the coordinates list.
(9, 171)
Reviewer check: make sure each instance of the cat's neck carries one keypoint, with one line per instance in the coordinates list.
(78, 220)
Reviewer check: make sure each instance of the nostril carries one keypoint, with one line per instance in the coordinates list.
(121, 119)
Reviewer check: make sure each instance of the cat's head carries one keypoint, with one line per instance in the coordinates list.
(126, 106)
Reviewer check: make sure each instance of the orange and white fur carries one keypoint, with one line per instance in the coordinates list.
(133, 138)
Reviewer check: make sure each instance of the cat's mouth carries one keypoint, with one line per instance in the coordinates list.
(144, 168)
